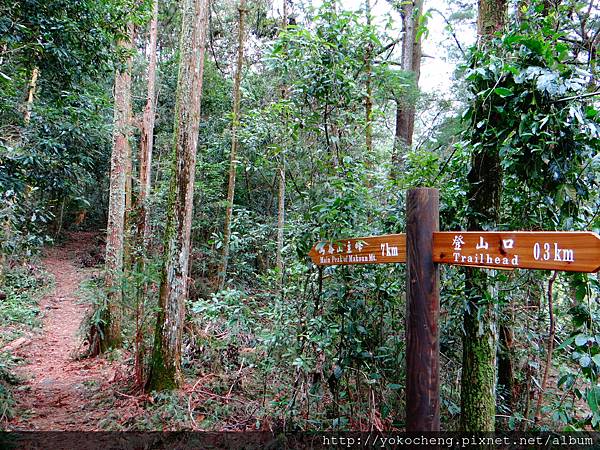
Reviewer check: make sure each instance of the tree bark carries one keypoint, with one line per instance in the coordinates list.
(147, 129)
(234, 146)
(127, 245)
(145, 179)
(480, 339)
(111, 330)
(165, 364)
(369, 88)
(491, 17)
(281, 190)
(506, 373)
(31, 94)
(411, 13)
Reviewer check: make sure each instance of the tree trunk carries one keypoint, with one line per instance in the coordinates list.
(281, 191)
(145, 172)
(234, 145)
(147, 129)
(411, 12)
(369, 88)
(111, 333)
(480, 339)
(491, 17)
(165, 364)
(506, 371)
(478, 383)
(127, 244)
(280, 217)
(30, 94)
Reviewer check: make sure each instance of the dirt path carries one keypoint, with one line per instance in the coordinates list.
(58, 390)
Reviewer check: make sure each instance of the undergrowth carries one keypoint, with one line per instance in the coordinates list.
(19, 311)
(24, 286)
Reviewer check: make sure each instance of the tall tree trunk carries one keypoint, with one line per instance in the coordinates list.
(165, 364)
(369, 88)
(145, 172)
(480, 339)
(234, 145)
(127, 244)
(147, 129)
(111, 335)
(280, 216)
(35, 73)
(281, 190)
(411, 12)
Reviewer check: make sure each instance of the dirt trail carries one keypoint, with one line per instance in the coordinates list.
(58, 388)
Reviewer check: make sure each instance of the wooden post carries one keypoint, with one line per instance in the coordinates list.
(422, 307)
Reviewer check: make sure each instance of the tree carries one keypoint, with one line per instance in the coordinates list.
(234, 146)
(281, 189)
(368, 86)
(111, 331)
(55, 59)
(145, 172)
(411, 12)
(530, 115)
(165, 363)
(480, 338)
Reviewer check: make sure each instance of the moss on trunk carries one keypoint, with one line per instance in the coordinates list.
(478, 383)
(480, 339)
(165, 363)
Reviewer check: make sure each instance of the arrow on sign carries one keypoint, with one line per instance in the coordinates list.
(389, 248)
(573, 251)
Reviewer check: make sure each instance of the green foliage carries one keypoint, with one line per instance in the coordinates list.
(67, 40)
(7, 381)
(19, 312)
(93, 325)
(324, 349)
(529, 103)
(581, 350)
(52, 157)
(324, 67)
(23, 287)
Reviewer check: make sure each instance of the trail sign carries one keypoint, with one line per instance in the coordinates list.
(574, 251)
(422, 250)
(388, 248)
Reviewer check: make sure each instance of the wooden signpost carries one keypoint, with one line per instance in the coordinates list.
(574, 251)
(388, 248)
(423, 247)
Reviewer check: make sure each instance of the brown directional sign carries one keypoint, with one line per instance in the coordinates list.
(574, 251)
(389, 248)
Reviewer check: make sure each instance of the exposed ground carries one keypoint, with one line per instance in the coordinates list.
(58, 387)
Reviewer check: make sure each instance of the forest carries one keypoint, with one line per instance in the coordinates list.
(166, 168)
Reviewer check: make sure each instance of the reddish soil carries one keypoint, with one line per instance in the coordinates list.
(58, 390)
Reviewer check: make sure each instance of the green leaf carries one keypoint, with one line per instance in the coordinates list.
(566, 343)
(593, 399)
(585, 361)
(581, 340)
(503, 92)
